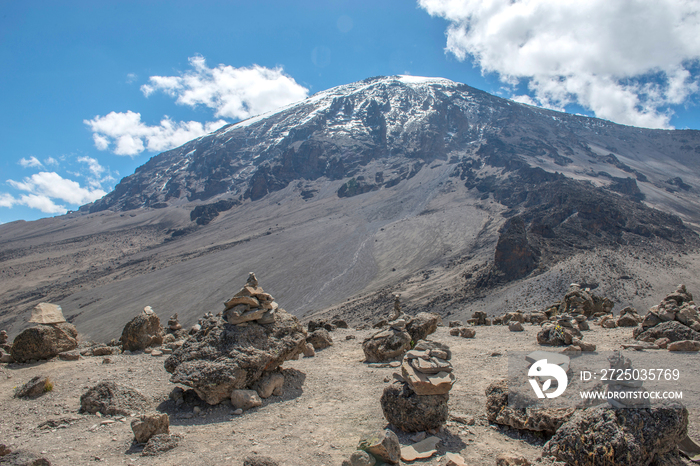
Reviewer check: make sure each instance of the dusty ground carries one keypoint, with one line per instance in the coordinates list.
(330, 401)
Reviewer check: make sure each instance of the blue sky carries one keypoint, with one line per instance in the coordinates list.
(91, 90)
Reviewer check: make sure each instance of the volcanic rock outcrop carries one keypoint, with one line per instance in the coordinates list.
(624, 437)
(222, 357)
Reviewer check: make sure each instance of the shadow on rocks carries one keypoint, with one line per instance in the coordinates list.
(135, 448)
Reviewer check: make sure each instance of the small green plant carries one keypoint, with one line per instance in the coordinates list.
(413, 344)
(48, 385)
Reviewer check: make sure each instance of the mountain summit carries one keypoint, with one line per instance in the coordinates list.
(455, 198)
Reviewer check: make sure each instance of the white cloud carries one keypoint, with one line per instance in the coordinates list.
(30, 162)
(50, 161)
(51, 185)
(237, 93)
(131, 77)
(6, 200)
(128, 135)
(93, 165)
(626, 61)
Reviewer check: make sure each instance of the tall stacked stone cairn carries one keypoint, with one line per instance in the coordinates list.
(392, 343)
(417, 399)
(52, 335)
(673, 324)
(240, 351)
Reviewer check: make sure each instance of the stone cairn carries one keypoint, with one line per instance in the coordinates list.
(417, 399)
(674, 323)
(251, 304)
(623, 387)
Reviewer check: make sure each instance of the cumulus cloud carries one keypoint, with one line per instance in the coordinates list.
(51, 185)
(626, 61)
(237, 93)
(30, 162)
(126, 134)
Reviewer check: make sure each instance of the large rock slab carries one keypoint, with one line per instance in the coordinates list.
(142, 331)
(113, 398)
(44, 341)
(621, 437)
(47, 313)
(222, 357)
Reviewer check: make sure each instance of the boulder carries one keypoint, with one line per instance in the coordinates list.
(422, 325)
(684, 345)
(455, 323)
(143, 331)
(320, 339)
(554, 335)
(515, 326)
(383, 445)
(386, 345)
(222, 357)
(629, 318)
(5, 357)
(146, 426)
(546, 420)
(673, 330)
(623, 437)
(410, 412)
(510, 460)
(309, 351)
(245, 399)
(44, 341)
(362, 458)
(112, 398)
(270, 384)
(36, 387)
(479, 318)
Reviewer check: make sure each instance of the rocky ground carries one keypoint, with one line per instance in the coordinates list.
(330, 401)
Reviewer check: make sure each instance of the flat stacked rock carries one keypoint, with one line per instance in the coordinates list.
(559, 331)
(676, 318)
(622, 387)
(250, 304)
(417, 400)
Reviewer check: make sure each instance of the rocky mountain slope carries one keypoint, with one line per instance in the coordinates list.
(422, 186)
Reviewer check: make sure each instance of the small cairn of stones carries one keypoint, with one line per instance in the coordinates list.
(673, 324)
(417, 399)
(251, 304)
(381, 447)
(622, 387)
(50, 336)
(5, 355)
